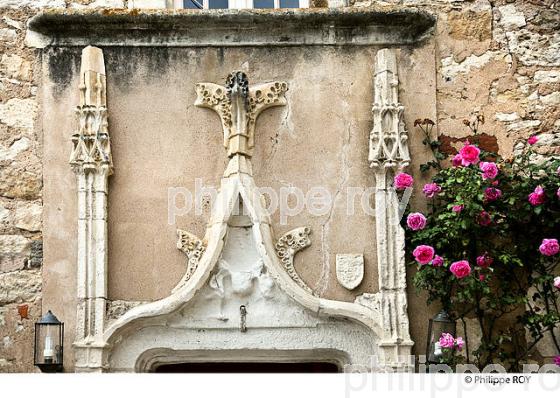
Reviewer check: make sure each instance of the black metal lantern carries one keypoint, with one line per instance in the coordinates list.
(49, 344)
(439, 324)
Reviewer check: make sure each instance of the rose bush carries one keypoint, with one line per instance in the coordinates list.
(494, 224)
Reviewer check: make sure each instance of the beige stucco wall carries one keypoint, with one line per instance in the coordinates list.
(499, 57)
(160, 140)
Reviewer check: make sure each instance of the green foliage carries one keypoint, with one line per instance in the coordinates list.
(515, 294)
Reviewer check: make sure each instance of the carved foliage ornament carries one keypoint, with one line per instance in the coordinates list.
(193, 248)
(238, 106)
(286, 248)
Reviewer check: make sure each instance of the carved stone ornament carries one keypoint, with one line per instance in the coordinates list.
(240, 295)
(350, 270)
(193, 248)
(91, 145)
(238, 106)
(388, 154)
(91, 161)
(287, 247)
(388, 146)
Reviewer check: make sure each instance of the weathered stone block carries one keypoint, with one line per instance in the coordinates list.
(551, 99)
(19, 113)
(547, 76)
(20, 286)
(28, 216)
(4, 215)
(15, 67)
(16, 183)
(506, 117)
(12, 23)
(511, 18)
(9, 154)
(14, 252)
(450, 68)
(36, 255)
(533, 48)
(7, 34)
(32, 3)
(470, 25)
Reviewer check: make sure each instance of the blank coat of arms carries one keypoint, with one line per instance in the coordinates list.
(350, 270)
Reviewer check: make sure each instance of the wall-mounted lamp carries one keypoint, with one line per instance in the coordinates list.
(439, 324)
(49, 344)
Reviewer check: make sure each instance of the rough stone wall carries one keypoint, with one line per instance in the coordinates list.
(501, 58)
(20, 194)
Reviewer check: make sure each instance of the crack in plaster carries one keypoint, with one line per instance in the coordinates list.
(324, 279)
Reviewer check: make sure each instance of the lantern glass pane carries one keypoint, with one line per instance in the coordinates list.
(437, 328)
(48, 344)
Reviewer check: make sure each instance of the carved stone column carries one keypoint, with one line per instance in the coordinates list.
(388, 154)
(91, 161)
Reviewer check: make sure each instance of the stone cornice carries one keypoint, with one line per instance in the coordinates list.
(388, 25)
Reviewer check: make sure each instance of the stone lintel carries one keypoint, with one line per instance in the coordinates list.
(386, 25)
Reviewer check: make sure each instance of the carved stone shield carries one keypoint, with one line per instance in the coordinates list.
(350, 270)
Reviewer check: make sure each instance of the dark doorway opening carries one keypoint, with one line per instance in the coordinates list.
(248, 367)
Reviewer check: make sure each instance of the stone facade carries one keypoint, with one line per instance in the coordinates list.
(501, 58)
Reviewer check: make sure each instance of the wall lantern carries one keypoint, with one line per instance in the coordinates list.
(49, 344)
(439, 324)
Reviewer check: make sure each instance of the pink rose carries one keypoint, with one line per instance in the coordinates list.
(557, 282)
(446, 340)
(481, 278)
(484, 218)
(558, 193)
(403, 180)
(459, 343)
(457, 160)
(423, 254)
(532, 140)
(469, 154)
(537, 197)
(557, 360)
(438, 261)
(491, 194)
(416, 221)
(558, 170)
(460, 269)
(489, 170)
(458, 208)
(549, 247)
(484, 261)
(431, 189)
